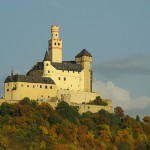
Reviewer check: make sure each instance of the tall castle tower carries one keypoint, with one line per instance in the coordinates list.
(85, 59)
(55, 45)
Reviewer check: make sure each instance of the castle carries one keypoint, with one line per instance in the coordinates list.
(53, 79)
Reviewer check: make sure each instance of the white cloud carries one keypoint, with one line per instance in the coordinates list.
(121, 97)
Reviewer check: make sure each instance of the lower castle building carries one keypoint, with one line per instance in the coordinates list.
(53, 79)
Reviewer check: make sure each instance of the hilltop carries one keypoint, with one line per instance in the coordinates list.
(27, 125)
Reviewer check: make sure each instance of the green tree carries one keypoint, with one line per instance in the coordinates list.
(67, 111)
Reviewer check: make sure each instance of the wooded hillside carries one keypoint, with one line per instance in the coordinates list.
(28, 125)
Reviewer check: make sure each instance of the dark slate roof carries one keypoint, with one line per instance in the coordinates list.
(84, 52)
(30, 79)
(65, 65)
(47, 57)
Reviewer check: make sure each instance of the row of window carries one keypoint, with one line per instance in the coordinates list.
(55, 44)
(62, 70)
(46, 87)
(64, 78)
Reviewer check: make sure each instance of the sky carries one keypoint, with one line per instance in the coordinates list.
(115, 32)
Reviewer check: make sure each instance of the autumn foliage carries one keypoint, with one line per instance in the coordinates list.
(28, 125)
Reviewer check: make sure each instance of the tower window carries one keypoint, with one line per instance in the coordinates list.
(59, 78)
(48, 71)
(50, 87)
(27, 85)
(56, 34)
(58, 43)
(64, 79)
(45, 86)
(33, 86)
(46, 64)
(40, 86)
(7, 90)
(55, 43)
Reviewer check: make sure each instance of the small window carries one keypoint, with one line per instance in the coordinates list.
(50, 87)
(46, 64)
(7, 90)
(48, 71)
(27, 85)
(58, 43)
(64, 79)
(41, 95)
(40, 86)
(33, 86)
(55, 43)
(22, 85)
(56, 34)
(45, 86)
(48, 96)
(58, 78)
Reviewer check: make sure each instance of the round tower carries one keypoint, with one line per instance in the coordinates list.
(55, 31)
(46, 63)
(55, 45)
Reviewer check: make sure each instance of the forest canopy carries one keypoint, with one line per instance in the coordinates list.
(27, 125)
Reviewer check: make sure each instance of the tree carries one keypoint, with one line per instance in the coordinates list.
(67, 111)
(137, 118)
(119, 112)
(146, 119)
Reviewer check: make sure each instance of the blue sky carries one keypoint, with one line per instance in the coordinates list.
(116, 32)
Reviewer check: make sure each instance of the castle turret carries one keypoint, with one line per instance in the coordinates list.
(46, 63)
(55, 45)
(85, 59)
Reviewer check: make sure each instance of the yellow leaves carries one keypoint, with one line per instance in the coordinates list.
(4, 142)
(123, 136)
(44, 130)
(42, 145)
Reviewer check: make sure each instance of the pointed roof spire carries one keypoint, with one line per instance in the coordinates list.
(12, 72)
(47, 57)
(84, 52)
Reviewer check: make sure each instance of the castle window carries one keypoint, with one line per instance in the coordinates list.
(7, 90)
(46, 64)
(48, 71)
(55, 43)
(59, 78)
(56, 34)
(22, 85)
(58, 43)
(64, 79)
(50, 87)
(45, 86)
(48, 96)
(27, 85)
(40, 86)
(33, 86)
